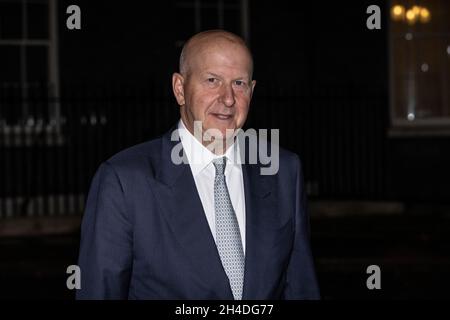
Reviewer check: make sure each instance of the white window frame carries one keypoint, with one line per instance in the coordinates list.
(402, 126)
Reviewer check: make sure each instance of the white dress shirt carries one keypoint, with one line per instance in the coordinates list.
(203, 170)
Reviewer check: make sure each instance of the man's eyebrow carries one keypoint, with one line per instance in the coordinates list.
(212, 74)
(217, 76)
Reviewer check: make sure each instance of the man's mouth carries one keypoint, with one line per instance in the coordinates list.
(221, 116)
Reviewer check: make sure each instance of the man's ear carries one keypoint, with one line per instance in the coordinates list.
(177, 87)
(253, 86)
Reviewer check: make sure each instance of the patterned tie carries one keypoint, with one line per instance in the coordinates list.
(228, 237)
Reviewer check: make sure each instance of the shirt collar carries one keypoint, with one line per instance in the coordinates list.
(199, 156)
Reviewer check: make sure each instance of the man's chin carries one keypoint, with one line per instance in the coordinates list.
(222, 131)
(219, 146)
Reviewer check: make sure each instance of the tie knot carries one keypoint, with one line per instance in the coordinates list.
(219, 164)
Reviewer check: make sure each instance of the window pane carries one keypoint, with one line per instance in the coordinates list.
(10, 20)
(9, 64)
(10, 90)
(403, 97)
(37, 64)
(37, 20)
(429, 71)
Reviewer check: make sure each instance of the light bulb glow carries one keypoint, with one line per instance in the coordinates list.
(411, 16)
(398, 13)
(424, 15)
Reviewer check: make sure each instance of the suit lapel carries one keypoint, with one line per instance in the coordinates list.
(261, 220)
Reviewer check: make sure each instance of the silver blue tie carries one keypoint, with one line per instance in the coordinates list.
(228, 236)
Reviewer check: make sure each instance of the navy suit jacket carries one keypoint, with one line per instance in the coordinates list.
(144, 234)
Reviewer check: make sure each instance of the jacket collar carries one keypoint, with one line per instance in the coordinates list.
(183, 210)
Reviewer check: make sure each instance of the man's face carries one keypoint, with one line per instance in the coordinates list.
(217, 88)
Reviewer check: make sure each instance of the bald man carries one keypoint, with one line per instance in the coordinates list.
(211, 226)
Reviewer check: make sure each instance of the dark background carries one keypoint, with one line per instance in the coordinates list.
(322, 79)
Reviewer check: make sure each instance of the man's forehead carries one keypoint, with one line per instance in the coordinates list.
(220, 63)
(214, 44)
(209, 42)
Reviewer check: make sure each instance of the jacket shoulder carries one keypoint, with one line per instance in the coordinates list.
(146, 149)
(289, 160)
(136, 159)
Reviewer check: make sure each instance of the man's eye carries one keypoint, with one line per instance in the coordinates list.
(239, 82)
(212, 80)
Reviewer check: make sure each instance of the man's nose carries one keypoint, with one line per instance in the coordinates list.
(227, 96)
